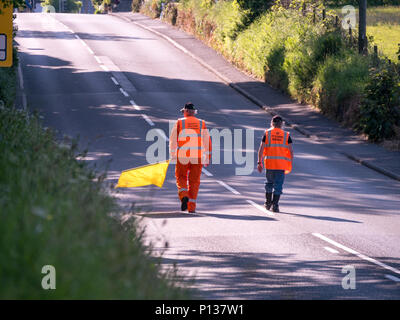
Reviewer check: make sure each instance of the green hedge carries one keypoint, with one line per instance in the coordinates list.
(312, 60)
(380, 108)
(8, 83)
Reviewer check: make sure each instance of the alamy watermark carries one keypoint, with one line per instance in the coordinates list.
(49, 280)
(235, 146)
(349, 280)
(349, 17)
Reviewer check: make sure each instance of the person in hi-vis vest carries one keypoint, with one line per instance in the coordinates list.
(190, 147)
(276, 149)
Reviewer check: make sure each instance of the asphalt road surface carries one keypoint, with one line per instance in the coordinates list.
(110, 82)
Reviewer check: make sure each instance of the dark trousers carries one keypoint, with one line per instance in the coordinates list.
(274, 182)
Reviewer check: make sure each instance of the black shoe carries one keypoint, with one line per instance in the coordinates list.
(275, 201)
(184, 204)
(268, 201)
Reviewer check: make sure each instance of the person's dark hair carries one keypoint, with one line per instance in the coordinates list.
(276, 121)
(189, 106)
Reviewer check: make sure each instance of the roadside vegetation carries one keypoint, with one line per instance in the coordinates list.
(56, 211)
(292, 47)
(70, 6)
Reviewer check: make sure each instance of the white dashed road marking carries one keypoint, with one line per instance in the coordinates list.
(148, 120)
(133, 103)
(392, 277)
(331, 250)
(228, 187)
(124, 92)
(206, 172)
(259, 207)
(115, 81)
(360, 255)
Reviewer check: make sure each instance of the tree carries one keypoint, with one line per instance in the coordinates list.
(15, 3)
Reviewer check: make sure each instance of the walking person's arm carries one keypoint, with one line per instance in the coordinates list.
(260, 155)
(173, 142)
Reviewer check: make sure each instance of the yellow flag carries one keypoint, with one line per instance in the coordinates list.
(143, 176)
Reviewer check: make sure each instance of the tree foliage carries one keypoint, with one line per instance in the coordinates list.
(15, 3)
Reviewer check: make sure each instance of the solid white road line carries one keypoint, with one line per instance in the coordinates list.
(133, 103)
(104, 68)
(24, 101)
(115, 81)
(259, 207)
(228, 187)
(90, 50)
(97, 59)
(148, 120)
(392, 277)
(21, 78)
(360, 255)
(331, 250)
(124, 92)
(206, 172)
(21, 85)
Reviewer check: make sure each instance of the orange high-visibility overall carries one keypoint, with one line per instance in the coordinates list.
(190, 144)
(277, 152)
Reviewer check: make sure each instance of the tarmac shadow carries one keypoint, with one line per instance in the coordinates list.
(180, 214)
(169, 214)
(334, 219)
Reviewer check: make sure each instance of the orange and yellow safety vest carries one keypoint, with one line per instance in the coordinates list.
(193, 141)
(277, 151)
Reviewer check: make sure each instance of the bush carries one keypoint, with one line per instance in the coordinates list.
(152, 8)
(8, 83)
(255, 8)
(170, 13)
(380, 108)
(339, 84)
(229, 19)
(69, 6)
(306, 50)
(275, 74)
(136, 5)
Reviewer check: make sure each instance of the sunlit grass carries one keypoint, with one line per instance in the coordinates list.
(387, 38)
(383, 24)
(383, 15)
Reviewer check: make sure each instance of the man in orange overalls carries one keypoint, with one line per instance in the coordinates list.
(190, 146)
(276, 149)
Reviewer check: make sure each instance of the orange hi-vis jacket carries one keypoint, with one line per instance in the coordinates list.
(276, 151)
(190, 140)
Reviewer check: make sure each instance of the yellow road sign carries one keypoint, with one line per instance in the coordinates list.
(6, 33)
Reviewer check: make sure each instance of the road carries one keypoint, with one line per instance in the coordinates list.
(111, 82)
